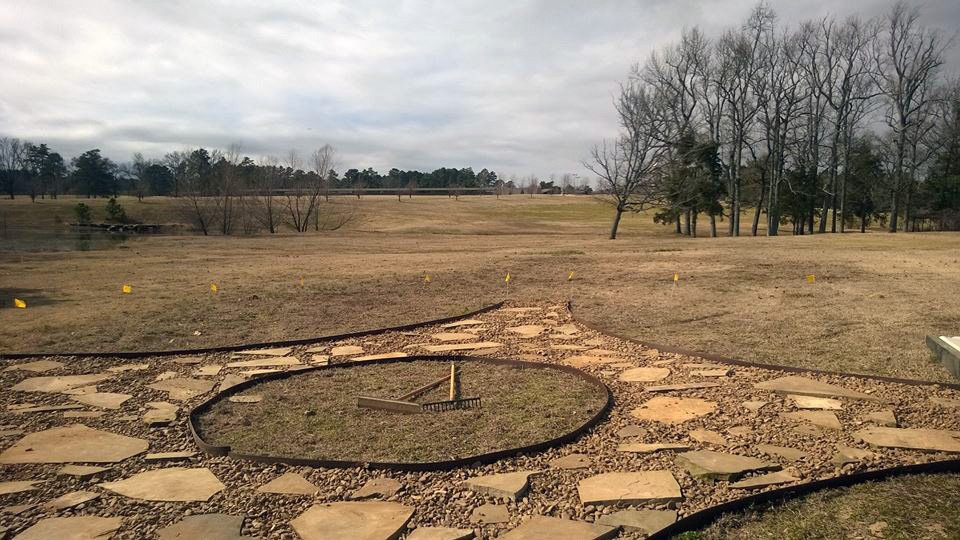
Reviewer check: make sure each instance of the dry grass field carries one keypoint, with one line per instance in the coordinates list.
(874, 298)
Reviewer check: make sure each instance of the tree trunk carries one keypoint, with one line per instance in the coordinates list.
(894, 210)
(686, 218)
(693, 223)
(756, 216)
(616, 224)
(863, 223)
(713, 226)
(679, 228)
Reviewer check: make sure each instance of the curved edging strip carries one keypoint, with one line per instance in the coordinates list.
(261, 345)
(703, 518)
(743, 363)
(216, 450)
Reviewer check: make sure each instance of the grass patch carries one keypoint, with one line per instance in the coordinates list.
(315, 414)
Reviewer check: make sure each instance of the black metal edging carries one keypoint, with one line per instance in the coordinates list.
(743, 363)
(243, 347)
(216, 450)
(705, 517)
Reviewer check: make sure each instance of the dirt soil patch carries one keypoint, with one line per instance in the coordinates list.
(315, 414)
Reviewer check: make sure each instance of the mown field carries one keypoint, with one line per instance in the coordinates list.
(874, 298)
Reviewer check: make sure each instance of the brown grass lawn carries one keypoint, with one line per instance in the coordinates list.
(875, 296)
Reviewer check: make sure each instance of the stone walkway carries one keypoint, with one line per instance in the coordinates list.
(100, 448)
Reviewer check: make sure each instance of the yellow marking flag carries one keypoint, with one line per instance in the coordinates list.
(811, 278)
(570, 277)
(19, 303)
(126, 289)
(426, 278)
(301, 281)
(676, 277)
(507, 279)
(214, 288)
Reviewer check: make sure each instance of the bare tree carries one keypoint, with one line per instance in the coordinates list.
(303, 191)
(263, 198)
(12, 154)
(907, 57)
(176, 161)
(628, 166)
(533, 185)
(411, 187)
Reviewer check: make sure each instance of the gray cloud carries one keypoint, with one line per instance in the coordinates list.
(518, 86)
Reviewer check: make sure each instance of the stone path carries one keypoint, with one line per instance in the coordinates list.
(683, 434)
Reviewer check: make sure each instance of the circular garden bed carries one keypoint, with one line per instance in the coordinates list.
(314, 415)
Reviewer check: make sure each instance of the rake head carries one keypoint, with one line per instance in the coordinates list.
(439, 406)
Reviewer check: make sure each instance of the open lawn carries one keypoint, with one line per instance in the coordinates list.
(874, 298)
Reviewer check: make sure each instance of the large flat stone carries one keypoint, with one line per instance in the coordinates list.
(764, 480)
(462, 346)
(708, 436)
(794, 384)
(465, 322)
(681, 386)
(83, 472)
(527, 330)
(490, 513)
(645, 374)
(571, 461)
(381, 356)
(72, 528)
(643, 520)
(123, 368)
(367, 520)
(59, 384)
(279, 351)
(76, 443)
(346, 350)
(644, 487)
(673, 410)
(211, 370)
(204, 527)
(885, 418)
(785, 452)
(46, 408)
(824, 419)
(584, 360)
(171, 484)
(932, 440)
(38, 366)
(104, 400)
(183, 388)
(16, 486)
(69, 500)
(160, 413)
(712, 465)
(440, 533)
(454, 336)
(649, 448)
(381, 487)
(509, 485)
(289, 484)
(813, 402)
(266, 362)
(551, 528)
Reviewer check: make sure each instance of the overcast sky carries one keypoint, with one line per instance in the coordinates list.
(517, 86)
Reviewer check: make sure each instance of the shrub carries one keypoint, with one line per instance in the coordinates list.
(82, 211)
(115, 211)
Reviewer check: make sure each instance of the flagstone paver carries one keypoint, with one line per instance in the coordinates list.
(465, 322)
(708, 436)
(722, 372)
(711, 465)
(754, 405)
(490, 514)
(673, 410)
(450, 347)
(346, 350)
(649, 448)
(885, 418)
(764, 480)
(278, 351)
(183, 388)
(552, 528)
(527, 330)
(82, 472)
(366, 520)
(83, 414)
(681, 386)
(76, 443)
(813, 402)
(644, 374)
(584, 360)
(785, 452)
(59, 384)
(946, 402)
(128, 367)
(381, 487)
(81, 390)
(187, 360)
(382, 356)
(208, 371)
(72, 528)
(204, 527)
(440, 533)
(915, 439)
(160, 413)
(104, 400)
(507, 485)
(643, 520)
(171, 484)
(630, 488)
(170, 456)
(454, 336)
(46, 408)
(572, 461)
(289, 484)
(16, 486)
(39, 366)
(824, 419)
(69, 500)
(848, 454)
(794, 384)
(266, 362)
(631, 431)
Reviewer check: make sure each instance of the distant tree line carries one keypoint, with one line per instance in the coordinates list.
(822, 126)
